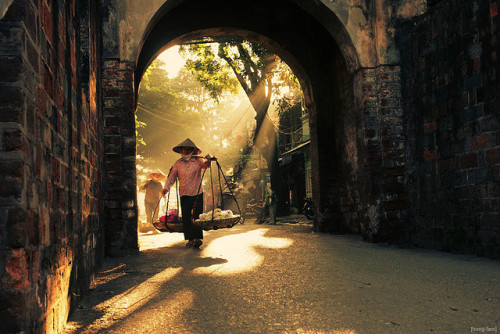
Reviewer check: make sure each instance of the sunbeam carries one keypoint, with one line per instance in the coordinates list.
(240, 252)
(123, 305)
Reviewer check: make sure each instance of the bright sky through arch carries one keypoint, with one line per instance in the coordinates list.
(173, 61)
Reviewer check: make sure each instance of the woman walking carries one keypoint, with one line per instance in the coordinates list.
(188, 171)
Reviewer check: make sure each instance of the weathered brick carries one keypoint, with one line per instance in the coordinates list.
(469, 161)
(127, 132)
(50, 195)
(111, 73)
(12, 38)
(111, 93)
(10, 68)
(493, 9)
(14, 140)
(13, 168)
(12, 105)
(33, 57)
(48, 82)
(16, 227)
(430, 127)
(11, 186)
(430, 154)
(111, 63)
(31, 21)
(110, 83)
(46, 21)
(493, 156)
(496, 173)
(479, 142)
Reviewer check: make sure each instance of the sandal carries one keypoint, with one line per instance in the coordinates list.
(197, 243)
(190, 243)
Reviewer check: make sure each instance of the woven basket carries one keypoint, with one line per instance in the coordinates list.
(167, 227)
(217, 223)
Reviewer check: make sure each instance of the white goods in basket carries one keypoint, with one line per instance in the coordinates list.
(217, 214)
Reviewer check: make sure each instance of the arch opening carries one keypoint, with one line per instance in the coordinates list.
(227, 126)
(320, 63)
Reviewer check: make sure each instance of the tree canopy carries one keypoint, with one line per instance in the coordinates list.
(200, 103)
(262, 75)
(171, 109)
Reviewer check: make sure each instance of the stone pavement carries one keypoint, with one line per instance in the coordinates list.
(287, 279)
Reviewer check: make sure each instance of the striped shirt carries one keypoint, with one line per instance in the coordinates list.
(189, 175)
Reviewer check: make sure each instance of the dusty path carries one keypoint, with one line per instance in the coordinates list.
(285, 279)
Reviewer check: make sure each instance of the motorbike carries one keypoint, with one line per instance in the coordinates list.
(254, 209)
(308, 208)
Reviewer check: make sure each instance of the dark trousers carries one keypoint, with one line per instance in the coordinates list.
(191, 206)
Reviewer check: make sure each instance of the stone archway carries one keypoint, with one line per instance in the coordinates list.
(324, 68)
(346, 141)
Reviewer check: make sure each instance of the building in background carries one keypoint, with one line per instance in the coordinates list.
(294, 159)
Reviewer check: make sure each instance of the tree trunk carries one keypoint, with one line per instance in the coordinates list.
(259, 93)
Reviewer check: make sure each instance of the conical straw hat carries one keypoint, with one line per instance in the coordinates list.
(157, 174)
(187, 143)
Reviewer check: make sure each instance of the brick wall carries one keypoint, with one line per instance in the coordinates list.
(50, 228)
(384, 137)
(452, 87)
(361, 154)
(119, 158)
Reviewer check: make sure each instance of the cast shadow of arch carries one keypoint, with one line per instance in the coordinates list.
(130, 283)
(151, 290)
(208, 292)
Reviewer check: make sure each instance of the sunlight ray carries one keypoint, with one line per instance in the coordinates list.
(240, 252)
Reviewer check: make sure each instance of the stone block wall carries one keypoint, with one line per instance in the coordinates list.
(51, 238)
(451, 73)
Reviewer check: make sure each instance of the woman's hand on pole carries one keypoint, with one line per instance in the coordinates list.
(210, 157)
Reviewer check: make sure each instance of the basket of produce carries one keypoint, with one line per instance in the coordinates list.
(216, 219)
(170, 222)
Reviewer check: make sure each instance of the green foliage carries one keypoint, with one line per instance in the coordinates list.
(209, 70)
(220, 65)
(260, 73)
(180, 107)
(199, 102)
(213, 60)
(155, 90)
(138, 125)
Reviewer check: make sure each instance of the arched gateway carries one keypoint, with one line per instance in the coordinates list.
(403, 103)
(341, 97)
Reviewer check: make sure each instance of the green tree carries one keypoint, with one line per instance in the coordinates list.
(258, 71)
(252, 66)
(156, 91)
(181, 107)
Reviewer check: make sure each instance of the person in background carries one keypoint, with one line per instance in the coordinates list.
(188, 171)
(271, 200)
(153, 189)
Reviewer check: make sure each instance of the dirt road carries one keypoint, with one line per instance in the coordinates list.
(287, 279)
